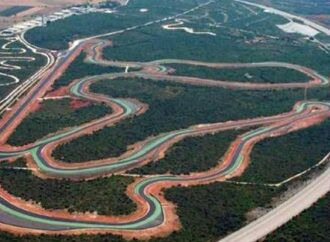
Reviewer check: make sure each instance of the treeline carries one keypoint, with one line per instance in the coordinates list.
(79, 69)
(228, 46)
(278, 158)
(7, 237)
(192, 155)
(56, 35)
(107, 195)
(53, 116)
(172, 106)
(254, 75)
(207, 213)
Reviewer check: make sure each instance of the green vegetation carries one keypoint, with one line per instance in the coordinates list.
(53, 116)
(58, 34)
(79, 69)
(172, 106)
(104, 195)
(255, 75)
(245, 37)
(211, 211)
(313, 225)
(278, 158)
(7, 237)
(13, 10)
(303, 7)
(192, 154)
(225, 47)
(206, 213)
(28, 68)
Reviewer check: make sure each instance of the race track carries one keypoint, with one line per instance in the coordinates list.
(152, 217)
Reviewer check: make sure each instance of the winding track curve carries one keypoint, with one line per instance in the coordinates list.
(151, 215)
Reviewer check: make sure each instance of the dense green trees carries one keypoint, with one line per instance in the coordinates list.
(278, 158)
(206, 212)
(6, 237)
(104, 195)
(192, 154)
(79, 69)
(53, 116)
(172, 106)
(255, 75)
(58, 34)
(230, 45)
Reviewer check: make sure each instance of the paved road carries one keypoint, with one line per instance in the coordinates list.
(283, 213)
(153, 214)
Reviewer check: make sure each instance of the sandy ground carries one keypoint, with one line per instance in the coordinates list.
(44, 2)
(38, 7)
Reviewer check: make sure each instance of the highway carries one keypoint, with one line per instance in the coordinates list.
(284, 212)
(314, 25)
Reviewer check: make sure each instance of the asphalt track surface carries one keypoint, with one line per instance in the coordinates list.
(17, 216)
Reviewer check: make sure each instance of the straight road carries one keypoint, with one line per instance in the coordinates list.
(284, 212)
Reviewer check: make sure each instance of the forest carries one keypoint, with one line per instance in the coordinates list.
(57, 35)
(255, 75)
(192, 154)
(53, 116)
(278, 158)
(252, 46)
(105, 195)
(79, 69)
(172, 106)
(207, 212)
